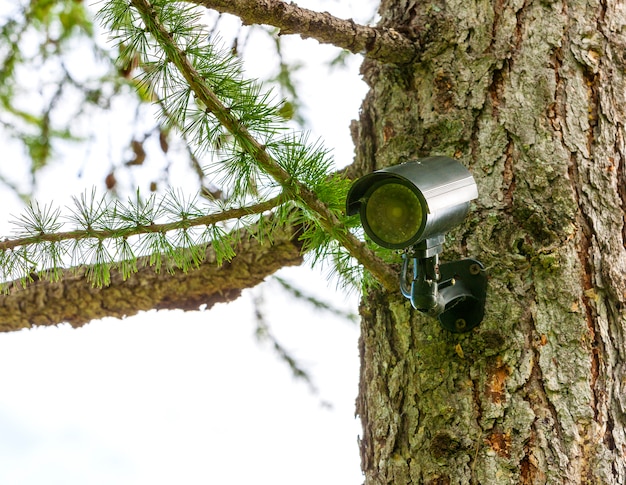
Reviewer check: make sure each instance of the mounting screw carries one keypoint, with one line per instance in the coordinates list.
(460, 324)
(474, 269)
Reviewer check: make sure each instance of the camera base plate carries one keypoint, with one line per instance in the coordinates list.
(463, 286)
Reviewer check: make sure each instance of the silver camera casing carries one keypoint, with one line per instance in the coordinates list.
(443, 186)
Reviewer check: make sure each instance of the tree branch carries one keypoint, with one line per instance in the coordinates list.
(326, 218)
(73, 299)
(385, 45)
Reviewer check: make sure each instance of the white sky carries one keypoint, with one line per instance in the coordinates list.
(192, 398)
(173, 397)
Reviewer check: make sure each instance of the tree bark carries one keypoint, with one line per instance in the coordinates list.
(529, 95)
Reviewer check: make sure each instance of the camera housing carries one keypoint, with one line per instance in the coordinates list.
(411, 206)
(432, 196)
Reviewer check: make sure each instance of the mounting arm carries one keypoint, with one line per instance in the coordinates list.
(455, 292)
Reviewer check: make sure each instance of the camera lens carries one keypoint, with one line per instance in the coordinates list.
(393, 213)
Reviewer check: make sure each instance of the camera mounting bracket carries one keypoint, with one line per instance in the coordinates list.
(455, 292)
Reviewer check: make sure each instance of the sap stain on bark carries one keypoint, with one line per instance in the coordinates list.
(500, 443)
(498, 373)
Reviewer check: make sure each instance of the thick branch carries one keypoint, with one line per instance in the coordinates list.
(73, 299)
(386, 45)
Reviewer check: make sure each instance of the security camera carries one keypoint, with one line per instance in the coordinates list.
(411, 207)
(406, 204)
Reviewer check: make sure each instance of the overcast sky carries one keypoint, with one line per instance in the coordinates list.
(193, 398)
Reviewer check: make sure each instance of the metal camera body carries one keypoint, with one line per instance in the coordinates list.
(443, 186)
(412, 206)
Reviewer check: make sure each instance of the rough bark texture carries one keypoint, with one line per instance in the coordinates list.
(383, 44)
(74, 300)
(530, 96)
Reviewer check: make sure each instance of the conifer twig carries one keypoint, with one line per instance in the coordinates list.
(185, 223)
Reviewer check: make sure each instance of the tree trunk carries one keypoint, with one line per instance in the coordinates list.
(530, 96)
